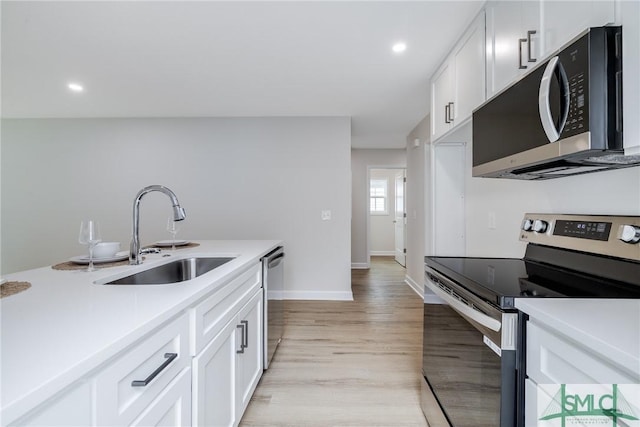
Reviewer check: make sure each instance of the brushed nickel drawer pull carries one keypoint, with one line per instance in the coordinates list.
(245, 335)
(242, 346)
(450, 104)
(520, 65)
(530, 57)
(143, 383)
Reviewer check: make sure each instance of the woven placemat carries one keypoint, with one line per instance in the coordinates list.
(70, 266)
(11, 288)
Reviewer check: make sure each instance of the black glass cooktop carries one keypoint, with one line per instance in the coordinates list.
(501, 280)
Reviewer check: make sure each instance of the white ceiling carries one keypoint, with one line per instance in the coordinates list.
(230, 59)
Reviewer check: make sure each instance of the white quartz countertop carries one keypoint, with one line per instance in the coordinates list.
(609, 327)
(65, 325)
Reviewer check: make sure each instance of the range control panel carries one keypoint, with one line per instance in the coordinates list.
(617, 236)
(594, 230)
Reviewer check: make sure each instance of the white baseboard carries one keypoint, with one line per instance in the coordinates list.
(318, 295)
(359, 265)
(382, 253)
(418, 289)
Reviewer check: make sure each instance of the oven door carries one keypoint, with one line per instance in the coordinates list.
(469, 360)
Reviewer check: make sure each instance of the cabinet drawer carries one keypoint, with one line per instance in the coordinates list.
(210, 316)
(172, 407)
(118, 401)
(555, 359)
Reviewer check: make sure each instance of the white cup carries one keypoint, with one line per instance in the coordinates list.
(106, 249)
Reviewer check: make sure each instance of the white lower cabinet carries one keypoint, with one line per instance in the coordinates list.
(214, 377)
(227, 371)
(553, 358)
(161, 380)
(172, 407)
(249, 361)
(127, 386)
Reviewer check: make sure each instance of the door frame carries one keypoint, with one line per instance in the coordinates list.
(401, 258)
(367, 195)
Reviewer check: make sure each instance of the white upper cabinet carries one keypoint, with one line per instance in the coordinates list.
(513, 43)
(520, 34)
(441, 100)
(459, 84)
(469, 78)
(561, 21)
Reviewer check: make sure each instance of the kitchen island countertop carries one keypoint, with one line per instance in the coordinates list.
(66, 325)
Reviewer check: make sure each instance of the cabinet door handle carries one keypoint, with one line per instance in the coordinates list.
(529, 57)
(520, 66)
(143, 383)
(446, 114)
(242, 346)
(450, 113)
(245, 335)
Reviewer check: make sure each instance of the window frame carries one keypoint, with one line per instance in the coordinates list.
(384, 197)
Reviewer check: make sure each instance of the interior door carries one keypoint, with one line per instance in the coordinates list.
(400, 218)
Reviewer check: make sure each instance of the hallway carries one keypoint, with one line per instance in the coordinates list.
(351, 363)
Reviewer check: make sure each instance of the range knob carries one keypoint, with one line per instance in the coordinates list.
(527, 225)
(540, 226)
(629, 234)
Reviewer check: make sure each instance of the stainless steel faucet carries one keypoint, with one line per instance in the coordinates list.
(178, 215)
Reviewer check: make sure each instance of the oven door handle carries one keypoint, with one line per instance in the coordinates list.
(464, 309)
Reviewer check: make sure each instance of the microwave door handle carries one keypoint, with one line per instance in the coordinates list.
(544, 106)
(462, 308)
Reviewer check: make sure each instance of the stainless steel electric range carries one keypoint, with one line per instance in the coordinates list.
(473, 339)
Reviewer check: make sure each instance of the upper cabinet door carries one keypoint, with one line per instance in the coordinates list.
(469, 71)
(512, 45)
(564, 20)
(441, 100)
(459, 84)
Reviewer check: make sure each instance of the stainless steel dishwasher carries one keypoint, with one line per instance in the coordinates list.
(273, 287)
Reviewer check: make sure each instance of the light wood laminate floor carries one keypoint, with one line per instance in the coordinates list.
(348, 363)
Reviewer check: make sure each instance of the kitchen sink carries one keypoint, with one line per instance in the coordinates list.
(173, 272)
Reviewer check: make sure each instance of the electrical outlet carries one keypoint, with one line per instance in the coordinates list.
(325, 215)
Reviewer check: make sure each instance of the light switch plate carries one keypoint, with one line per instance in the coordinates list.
(326, 215)
(492, 220)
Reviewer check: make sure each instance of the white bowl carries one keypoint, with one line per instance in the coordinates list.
(106, 249)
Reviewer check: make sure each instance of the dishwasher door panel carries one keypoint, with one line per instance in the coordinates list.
(273, 276)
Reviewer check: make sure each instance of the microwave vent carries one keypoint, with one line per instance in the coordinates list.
(615, 159)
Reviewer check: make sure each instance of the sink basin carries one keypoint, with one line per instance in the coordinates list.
(176, 271)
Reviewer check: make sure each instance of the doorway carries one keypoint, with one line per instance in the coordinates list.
(387, 213)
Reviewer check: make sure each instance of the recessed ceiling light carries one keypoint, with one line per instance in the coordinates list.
(399, 47)
(75, 87)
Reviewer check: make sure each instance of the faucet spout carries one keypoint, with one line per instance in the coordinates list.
(178, 215)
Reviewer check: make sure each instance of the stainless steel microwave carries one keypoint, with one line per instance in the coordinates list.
(562, 118)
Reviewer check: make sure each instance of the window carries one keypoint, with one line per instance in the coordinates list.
(378, 197)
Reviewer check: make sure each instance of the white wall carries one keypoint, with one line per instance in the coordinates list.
(613, 192)
(382, 230)
(361, 161)
(249, 178)
(416, 197)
